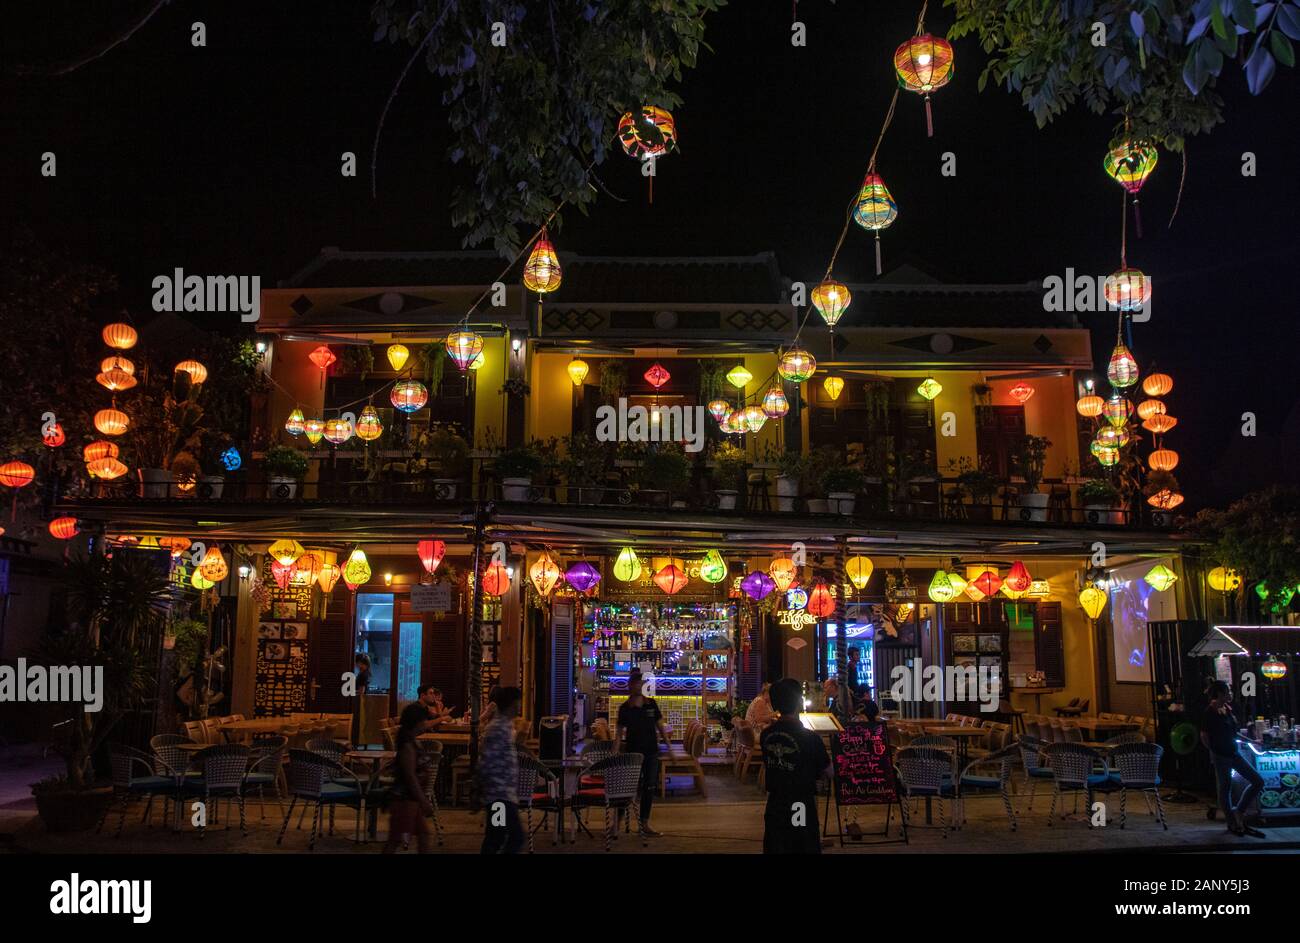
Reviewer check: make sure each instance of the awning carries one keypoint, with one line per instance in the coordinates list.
(1250, 640)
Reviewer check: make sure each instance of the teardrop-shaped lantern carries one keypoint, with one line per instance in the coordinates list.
(757, 585)
(719, 409)
(875, 208)
(542, 272)
(214, 565)
(775, 405)
(1093, 601)
(1090, 405)
(833, 386)
(1122, 370)
(821, 602)
(329, 575)
(1018, 578)
(356, 572)
(199, 581)
(544, 573)
(295, 423)
(313, 429)
(859, 569)
(582, 576)
(796, 365)
(831, 299)
(628, 565)
(408, 395)
(577, 370)
(713, 569)
(281, 573)
(496, 579)
(941, 589)
(397, 356)
(671, 579)
(783, 573)
(753, 417)
(1129, 164)
(430, 553)
(369, 426)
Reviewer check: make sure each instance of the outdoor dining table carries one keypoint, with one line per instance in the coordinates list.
(563, 768)
(1094, 724)
(963, 736)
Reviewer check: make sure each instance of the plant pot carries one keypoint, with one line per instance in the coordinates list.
(516, 489)
(154, 482)
(71, 811)
(1102, 514)
(1033, 506)
(817, 506)
(726, 499)
(841, 502)
(211, 486)
(444, 489)
(280, 488)
(787, 489)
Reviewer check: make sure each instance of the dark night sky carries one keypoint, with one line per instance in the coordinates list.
(226, 160)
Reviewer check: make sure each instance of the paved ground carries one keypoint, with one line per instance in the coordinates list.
(729, 821)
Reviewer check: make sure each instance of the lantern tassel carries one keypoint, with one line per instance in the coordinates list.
(877, 251)
(1137, 217)
(929, 119)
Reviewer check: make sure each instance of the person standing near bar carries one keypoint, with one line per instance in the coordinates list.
(498, 770)
(1219, 734)
(640, 725)
(361, 663)
(794, 758)
(408, 803)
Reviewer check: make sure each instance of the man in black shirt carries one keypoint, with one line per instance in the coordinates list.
(1219, 734)
(640, 725)
(794, 758)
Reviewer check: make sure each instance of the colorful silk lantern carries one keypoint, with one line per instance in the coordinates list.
(657, 375)
(1158, 384)
(116, 381)
(477, 362)
(941, 588)
(112, 421)
(1127, 289)
(53, 436)
(214, 565)
(1021, 392)
(542, 271)
(796, 365)
(1160, 423)
(544, 573)
(738, 376)
(582, 576)
(775, 405)
(64, 528)
(496, 579)
(833, 386)
(1110, 437)
(648, 132)
(924, 64)
(1018, 578)
(356, 571)
(369, 426)
(1273, 669)
(859, 569)
(198, 373)
(1163, 460)
(1090, 405)
(322, 357)
(628, 565)
(1150, 407)
(108, 469)
(821, 602)
(1118, 411)
(713, 569)
(733, 423)
(757, 585)
(875, 208)
(430, 553)
(671, 579)
(462, 347)
(753, 418)
(831, 299)
(1129, 164)
(295, 423)
(329, 575)
(1106, 457)
(119, 336)
(287, 551)
(1093, 601)
(719, 409)
(313, 429)
(577, 370)
(408, 395)
(337, 431)
(1122, 371)
(1223, 579)
(783, 573)
(929, 388)
(1160, 577)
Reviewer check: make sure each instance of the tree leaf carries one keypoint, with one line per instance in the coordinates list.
(1259, 70)
(1136, 22)
(1243, 13)
(1282, 48)
(1216, 18)
(1198, 29)
(1288, 20)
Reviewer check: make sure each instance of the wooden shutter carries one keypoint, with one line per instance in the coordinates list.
(1049, 644)
(331, 655)
(444, 654)
(561, 661)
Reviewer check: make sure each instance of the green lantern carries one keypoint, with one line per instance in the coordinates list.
(628, 566)
(713, 569)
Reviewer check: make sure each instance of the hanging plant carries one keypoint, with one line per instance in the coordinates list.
(713, 380)
(613, 378)
(515, 387)
(359, 360)
(432, 361)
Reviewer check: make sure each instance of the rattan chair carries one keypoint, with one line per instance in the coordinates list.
(221, 776)
(1072, 766)
(315, 780)
(1123, 738)
(620, 789)
(330, 749)
(1138, 767)
(266, 768)
(1001, 780)
(925, 773)
(135, 773)
(1031, 760)
(534, 792)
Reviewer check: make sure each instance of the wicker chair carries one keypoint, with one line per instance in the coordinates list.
(1031, 759)
(266, 768)
(1072, 767)
(330, 749)
(135, 774)
(534, 792)
(925, 772)
(620, 789)
(1138, 767)
(313, 779)
(1001, 780)
(221, 775)
(1123, 738)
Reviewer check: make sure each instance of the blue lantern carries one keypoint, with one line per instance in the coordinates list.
(796, 598)
(231, 460)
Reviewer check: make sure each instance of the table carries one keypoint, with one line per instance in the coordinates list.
(963, 736)
(1038, 695)
(1094, 724)
(562, 767)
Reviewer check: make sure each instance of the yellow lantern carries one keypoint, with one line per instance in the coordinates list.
(833, 386)
(198, 373)
(397, 354)
(1163, 460)
(958, 583)
(1160, 577)
(477, 362)
(1090, 405)
(796, 365)
(941, 589)
(859, 570)
(930, 388)
(542, 272)
(783, 572)
(1012, 593)
(214, 566)
(544, 573)
(111, 421)
(577, 369)
(1223, 579)
(831, 299)
(1092, 600)
(628, 565)
(199, 581)
(329, 575)
(738, 376)
(356, 572)
(369, 427)
(286, 551)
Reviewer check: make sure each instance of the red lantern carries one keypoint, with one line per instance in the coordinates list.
(1021, 392)
(1018, 578)
(64, 528)
(322, 357)
(496, 579)
(431, 553)
(820, 601)
(16, 474)
(282, 573)
(989, 583)
(657, 376)
(670, 579)
(53, 436)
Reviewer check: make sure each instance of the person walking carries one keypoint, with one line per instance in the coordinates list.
(498, 771)
(361, 664)
(640, 726)
(1219, 734)
(794, 758)
(408, 803)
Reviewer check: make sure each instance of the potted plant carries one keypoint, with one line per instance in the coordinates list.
(212, 485)
(1030, 460)
(516, 468)
(613, 378)
(791, 466)
(666, 471)
(114, 606)
(977, 483)
(585, 467)
(730, 462)
(841, 485)
(174, 426)
(285, 467)
(816, 464)
(448, 459)
(1100, 501)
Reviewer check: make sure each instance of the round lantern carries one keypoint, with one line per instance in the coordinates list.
(430, 553)
(582, 576)
(119, 336)
(1160, 577)
(1165, 499)
(713, 569)
(108, 469)
(369, 427)
(496, 579)
(408, 395)
(733, 423)
(337, 431)
(859, 570)
(657, 375)
(1092, 600)
(833, 386)
(1160, 423)
(329, 575)
(757, 585)
(199, 581)
(112, 421)
(1106, 457)
(116, 380)
(1122, 371)
(54, 437)
(831, 299)
(1163, 460)
(544, 573)
(783, 572)
(1150, 407)
(941, 589)
(775, 405)
(295, 423)
(577, 370)
(397, 355)
(1117, 411)
(929, 388)
(231, 460)
(64, 528)
(987, 583)
(542, 274)
(628, 565)
(1130, 163)
(820, 601)
(1018, 578)
(356, 572)
(1223, 579)
(753, 418)
(1273, 669)
(287, 551)
(198, 373)
(648, 132)
(214, 566)
(719, 409)
(796, 365)
(1127, 289)
(322, 357)
(117, 363)
(462, 347)
(1090, 405)
(1021, 392)
(1158, 384)
(923, 64)
(313, 429)
(670, 579)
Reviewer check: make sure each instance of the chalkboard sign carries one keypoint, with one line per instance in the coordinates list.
(864, 774)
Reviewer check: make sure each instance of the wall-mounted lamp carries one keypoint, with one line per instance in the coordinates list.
(260, 347)
(245, 571)
(388, 579)
(516, 344)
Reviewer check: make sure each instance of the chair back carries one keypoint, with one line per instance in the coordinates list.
(124, 762)
(308, 773)
(330, 749)
(194, 731)
(267, 755)
(210, 732)
(224, 766)
(1071, 732)
(622, 773)
(934, 741)
(1138, 764)
(698, 742)
(1071, 763)
(921, 770)
(597, 750)
(532, 774)
(172, 759)
(1123, 738)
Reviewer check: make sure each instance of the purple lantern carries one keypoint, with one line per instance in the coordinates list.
(757, 585)
(582, 576)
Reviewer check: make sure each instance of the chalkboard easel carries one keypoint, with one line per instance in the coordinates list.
(862, 773)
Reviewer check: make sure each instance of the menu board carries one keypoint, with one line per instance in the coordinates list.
(864, 774)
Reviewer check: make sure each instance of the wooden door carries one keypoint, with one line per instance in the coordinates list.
(998, 434)
(331, 654)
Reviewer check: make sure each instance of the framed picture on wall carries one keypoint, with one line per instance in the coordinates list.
(990, 643)
(294, 630)
(268, 630)
(277, 651)
(963, 643)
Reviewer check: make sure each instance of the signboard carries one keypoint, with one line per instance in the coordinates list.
(864, 774)
(431, 597)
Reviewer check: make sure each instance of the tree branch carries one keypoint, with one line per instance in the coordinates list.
(98, 52)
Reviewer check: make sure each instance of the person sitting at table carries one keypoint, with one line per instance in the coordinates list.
(408, 806)
(431, 698)
(760, 712)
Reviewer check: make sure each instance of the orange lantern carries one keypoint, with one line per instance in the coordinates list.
(496, 579)
(671, 579)
(97, 450)
(198, 373)
(1165, 499)
(1018, 578)
(106, 468)
(783, 573)
(16, 474)
(64, 528)
(1160, 423)
(542, 272)
(307, 568)
(329, 575)
(1021, 392)
(54, 437)
(175, 545)
(1158, 384)
(115, 380)
(1163, 460)
(120, 336)
(431, 553)
(820, 601)
(1090, 405)
(112, 421)
(117, 363)
(213, 567)
(1150, 407)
